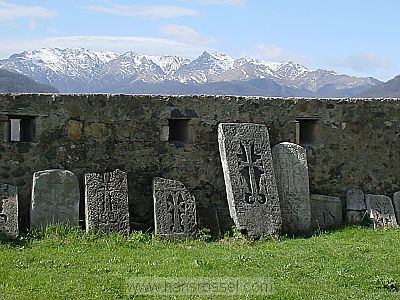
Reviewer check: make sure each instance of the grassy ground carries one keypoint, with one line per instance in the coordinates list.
(353, 263)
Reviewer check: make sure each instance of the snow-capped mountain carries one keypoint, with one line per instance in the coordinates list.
(80, 70)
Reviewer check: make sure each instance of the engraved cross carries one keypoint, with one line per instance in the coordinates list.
(252, 162)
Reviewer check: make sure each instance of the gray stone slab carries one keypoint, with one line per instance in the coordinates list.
(8, 210)
(355, 200)
(326, 212)
(174, 209)
(355, 206)
(106, 202)
(380, 210)
(396, 205)
(355, 217)
(249, 178)
(55, 198)
(291, 173)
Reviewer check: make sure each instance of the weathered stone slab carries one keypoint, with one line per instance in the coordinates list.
(355, 200)
(326, 212)
(380, 210)
(291, 173)
(355, 206)
(55, 198)
(396, 205)
(106, 202)
(8, 210)
(208, 218)
(249, 178)
(174, 209)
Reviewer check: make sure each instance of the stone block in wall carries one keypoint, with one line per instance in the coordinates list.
(380, 210)
(174, 209)
(291, 172)
(55, 198)
(249, 178)
(326, 212)
(396, 205)
(355, 206)
(106, 202)
(8, 210)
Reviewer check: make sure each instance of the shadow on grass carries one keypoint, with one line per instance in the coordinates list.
(18, 242)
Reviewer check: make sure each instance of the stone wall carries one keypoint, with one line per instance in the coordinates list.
(349, 142)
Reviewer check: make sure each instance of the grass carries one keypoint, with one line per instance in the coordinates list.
(67, 263)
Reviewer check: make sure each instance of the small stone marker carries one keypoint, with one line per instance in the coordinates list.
(380, 210)
(8, 210)
(326, 212)
(106, 201)
(249, 178)
(174, 209)
(291, 172)
(55, 198)
(355, 206)
(396, 205)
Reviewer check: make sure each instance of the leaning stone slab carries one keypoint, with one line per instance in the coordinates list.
(8, 210)
(326, 212)
(249, 178)
(55, 198)
(106, 202)
(396, 205)
(174, 209)
(291, 172)
(355, 206)
(380, 210)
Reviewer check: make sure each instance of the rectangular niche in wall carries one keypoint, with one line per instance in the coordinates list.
(22, 129)
(178, 131)
(306, 131)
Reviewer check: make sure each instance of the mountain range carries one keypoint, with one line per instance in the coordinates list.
(78, 70)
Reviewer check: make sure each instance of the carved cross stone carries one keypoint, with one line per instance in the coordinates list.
(106, 201)
(174, 209)
(8, 210)
(291, 171)
(55, 198)
(380, 210)
(249, 178)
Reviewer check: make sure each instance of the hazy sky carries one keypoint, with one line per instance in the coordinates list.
(356, 37)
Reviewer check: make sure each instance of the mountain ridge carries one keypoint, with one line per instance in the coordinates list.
(78, 70)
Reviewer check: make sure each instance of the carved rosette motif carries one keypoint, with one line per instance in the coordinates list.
(8, 210)
(106, 201)
(249, 178)
(291, 171)
(174, 209)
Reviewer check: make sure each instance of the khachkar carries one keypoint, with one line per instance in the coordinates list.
(8, 210)
(174, 209)
(380, 210)
(249, 178)
(106, 201)
(55, 198)
(291, 172)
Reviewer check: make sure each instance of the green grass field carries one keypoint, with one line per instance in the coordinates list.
(61, 263)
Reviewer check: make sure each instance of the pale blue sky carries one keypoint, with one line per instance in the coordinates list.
(356, 37)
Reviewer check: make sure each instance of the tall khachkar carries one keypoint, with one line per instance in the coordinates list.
(291, 171)
(8, 210)
(55, 198)
(174, 209)
(106, 201)
(249, 178)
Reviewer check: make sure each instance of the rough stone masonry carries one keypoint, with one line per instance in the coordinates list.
(350, 143)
